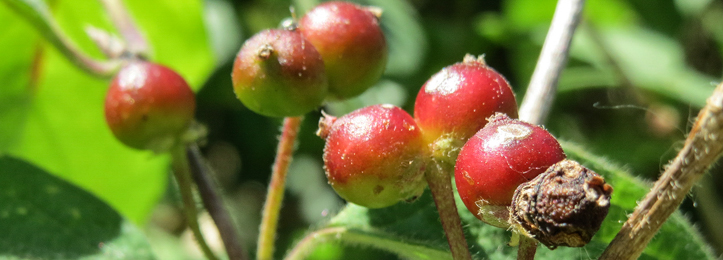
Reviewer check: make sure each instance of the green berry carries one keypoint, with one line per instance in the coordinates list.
(278, 73)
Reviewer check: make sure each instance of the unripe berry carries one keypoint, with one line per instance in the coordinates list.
(351, 42)
(148, 106)
(373, 156)
(278, 73)
(455, 102)
(500, 157)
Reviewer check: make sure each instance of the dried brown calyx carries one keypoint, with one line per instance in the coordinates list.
(564, 206)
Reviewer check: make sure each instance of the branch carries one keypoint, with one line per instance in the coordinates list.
(702, 147)
(214, 204)
(553, 57)
(275, 195)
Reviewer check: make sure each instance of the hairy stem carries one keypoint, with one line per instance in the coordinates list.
(527, 248)
(214, 204)
(553, 57)
(439, 179)
(702, 148)
(183, 177)
(275, 194)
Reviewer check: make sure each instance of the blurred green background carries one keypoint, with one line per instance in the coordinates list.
(639, 70)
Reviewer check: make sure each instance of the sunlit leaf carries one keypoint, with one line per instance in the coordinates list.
(648, 59)
(15, 74)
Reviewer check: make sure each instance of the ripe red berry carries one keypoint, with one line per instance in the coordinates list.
(500, 157)
(148, 106)
(456, 101)
(373, 156)
(351, 42)
(279, 73)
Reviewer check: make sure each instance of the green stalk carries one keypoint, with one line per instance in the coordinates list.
(182, 173)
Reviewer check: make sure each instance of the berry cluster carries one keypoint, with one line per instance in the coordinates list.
(447, 110)
(337, 49)
(506, 171)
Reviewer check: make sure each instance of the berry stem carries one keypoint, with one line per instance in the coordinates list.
(118, 13)
(39, 16)
(214, 204)
(182, 173)
(701, 149)
(438, 177)
(275, 194)
(553, 57)
(527, 248)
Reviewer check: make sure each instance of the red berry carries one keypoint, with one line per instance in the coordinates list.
(351, 42)
(279, 73)
(148, 106)
(457, 100)
(500, 157)
(373, 156)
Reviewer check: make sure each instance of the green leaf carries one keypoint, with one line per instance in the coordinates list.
(524, 15)
(405, 248)
(15, 75)
(418, 223)
(38, 14)
(396, 229)
(62, 128)
(44, 217)
(648, 59)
